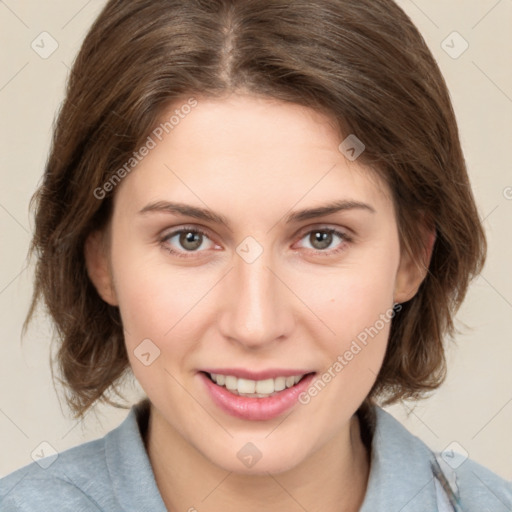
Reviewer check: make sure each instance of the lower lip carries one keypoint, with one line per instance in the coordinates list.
(255, 409)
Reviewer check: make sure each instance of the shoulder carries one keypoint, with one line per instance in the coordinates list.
(75, 479)
(478, 487)
(98, 475)
(112, 473)
(470, 485)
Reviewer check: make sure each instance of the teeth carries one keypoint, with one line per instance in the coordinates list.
(279, 383)
(255, 388)
(231, 382)
(246, 386)
(265, 387)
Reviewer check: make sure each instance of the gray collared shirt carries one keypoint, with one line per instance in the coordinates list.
(114, 474)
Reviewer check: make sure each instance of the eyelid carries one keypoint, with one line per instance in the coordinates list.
(179, 229)
(342, 233)
(324, 227)
(338, 231)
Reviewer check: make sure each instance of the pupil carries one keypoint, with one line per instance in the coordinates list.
(322, 238)
(190, 240)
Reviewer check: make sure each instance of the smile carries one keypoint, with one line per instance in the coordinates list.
(249, 399)
(255, 388)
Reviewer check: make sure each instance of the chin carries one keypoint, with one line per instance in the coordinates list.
(247, 457)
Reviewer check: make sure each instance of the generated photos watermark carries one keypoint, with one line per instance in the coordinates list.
(151, 142)
(343, 360)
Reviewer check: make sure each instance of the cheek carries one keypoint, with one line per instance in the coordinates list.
(353, 297)
(152, 300)
(355, 304)
(155, 306)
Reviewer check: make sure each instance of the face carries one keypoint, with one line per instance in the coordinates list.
(239, 282)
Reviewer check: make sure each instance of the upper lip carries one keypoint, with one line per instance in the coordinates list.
(271, 373)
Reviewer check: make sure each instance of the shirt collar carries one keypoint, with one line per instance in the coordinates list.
(400, 472)
(129, 467)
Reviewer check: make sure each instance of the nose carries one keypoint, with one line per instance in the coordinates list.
(258, 308)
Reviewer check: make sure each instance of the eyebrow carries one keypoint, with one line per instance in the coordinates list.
(294, 217)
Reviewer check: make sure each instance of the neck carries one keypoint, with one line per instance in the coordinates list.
(333, 479)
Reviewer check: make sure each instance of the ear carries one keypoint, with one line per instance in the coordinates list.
(98, 266)
(412, 270)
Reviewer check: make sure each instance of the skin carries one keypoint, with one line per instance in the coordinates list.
(298, 305)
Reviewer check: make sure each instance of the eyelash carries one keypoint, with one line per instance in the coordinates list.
(190, 229)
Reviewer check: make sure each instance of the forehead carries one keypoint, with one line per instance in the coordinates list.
(248, 151)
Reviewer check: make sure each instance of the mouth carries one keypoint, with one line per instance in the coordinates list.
(268, 397)
(262, 388)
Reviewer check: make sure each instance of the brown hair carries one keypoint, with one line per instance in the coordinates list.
(362, 62)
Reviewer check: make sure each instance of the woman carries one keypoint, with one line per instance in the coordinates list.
(261, 209)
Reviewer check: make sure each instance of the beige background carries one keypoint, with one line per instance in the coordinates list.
(473, 408)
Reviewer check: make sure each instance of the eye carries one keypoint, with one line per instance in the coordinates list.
(321, 239)
(183, 240)
(191, 240)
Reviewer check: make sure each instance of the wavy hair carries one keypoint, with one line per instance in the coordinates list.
(362, 62)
